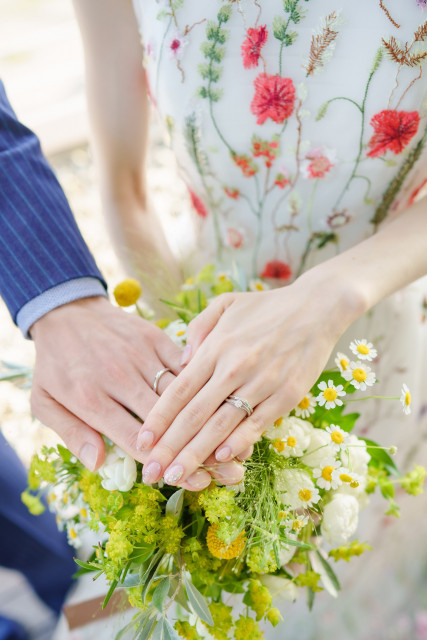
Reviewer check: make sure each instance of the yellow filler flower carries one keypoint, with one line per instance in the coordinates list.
(127, 292)
(221, 549)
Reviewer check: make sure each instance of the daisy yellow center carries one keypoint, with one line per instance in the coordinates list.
(354, 484)
(330, 394)
(296, 525)
(337, 437)
(282, 514)
(291, 441)
(359, 374)
(180, 333)
(189, 281)
(304, 495)
(221, 549)
(305, 403)
(278, 422)
(408, 398)
(279, 445)
(73, 533)
(344, 363)
(222, 277)
(327, 473)
(344, 477)
(65, 498)
(51, 497)
(363, 349)
(259, 286)
(83, 512)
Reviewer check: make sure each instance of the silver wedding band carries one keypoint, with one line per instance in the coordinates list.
(157, 378)
(240, 403)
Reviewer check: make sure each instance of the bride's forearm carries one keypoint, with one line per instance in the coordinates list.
(377, 267)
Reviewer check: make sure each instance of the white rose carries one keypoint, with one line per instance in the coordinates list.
(280, 588)
(319, 449)
(118, 472)
(340, 518)
(356, 457)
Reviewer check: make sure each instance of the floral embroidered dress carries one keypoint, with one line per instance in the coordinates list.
(299, 127)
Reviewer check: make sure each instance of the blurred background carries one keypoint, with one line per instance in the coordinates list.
(41, 65)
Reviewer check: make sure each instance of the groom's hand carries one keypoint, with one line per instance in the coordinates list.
(95, 367)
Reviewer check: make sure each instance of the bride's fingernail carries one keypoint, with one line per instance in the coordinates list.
(88, 456)
(199, 480)
(223, 454)
(186, 354)
(144, 440)
(174, 474)
(151, 473)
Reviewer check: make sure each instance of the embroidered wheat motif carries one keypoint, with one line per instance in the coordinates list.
(322, 43)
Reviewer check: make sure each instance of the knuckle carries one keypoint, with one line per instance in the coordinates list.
(221, 425)
(255, 426)
(182, 388)
(163, 452)
(87, 396)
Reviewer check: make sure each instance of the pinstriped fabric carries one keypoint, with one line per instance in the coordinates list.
(40, 243)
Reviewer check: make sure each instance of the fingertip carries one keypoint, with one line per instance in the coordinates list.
(92, 454)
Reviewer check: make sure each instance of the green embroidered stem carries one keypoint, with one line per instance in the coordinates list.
(395, 185)
(162, 46)
(310, 205)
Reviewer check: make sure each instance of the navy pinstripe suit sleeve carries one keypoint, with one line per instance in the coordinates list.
(40, 243)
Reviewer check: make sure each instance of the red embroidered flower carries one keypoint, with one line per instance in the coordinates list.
(274, 98)
(198, 204)
(416, 192)
(251, 47)
(232, 193)
(276, 269)
(246, 164)
(282, 180)
(393, 130)
(269, 150)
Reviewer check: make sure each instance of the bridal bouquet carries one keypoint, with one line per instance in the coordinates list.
(278, 533)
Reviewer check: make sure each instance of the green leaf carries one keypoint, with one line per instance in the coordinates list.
(88, 567)
(386, 488)
(64, 453)
(327, 574)
(165, 631)
(380, 457)
(310, 598)
(160, 593)
(180, 597)
(145, 632)
(129, 626)
(110, 593)
(175, 503)
(348, 421)
(296, 543)
(198, 602)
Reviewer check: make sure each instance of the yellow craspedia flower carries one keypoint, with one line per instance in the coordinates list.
(221, 549)
(127, 292)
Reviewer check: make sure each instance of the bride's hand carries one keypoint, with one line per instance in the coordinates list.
(266, 347)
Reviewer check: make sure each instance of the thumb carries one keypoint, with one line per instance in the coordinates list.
(202, 325)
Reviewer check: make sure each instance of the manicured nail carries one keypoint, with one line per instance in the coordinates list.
(145, 440)
(174, 474)
(199, 480)
(223, 454)
(186, 355)
(151, 473)
(246, 454)
(88, 456)
(230, 473)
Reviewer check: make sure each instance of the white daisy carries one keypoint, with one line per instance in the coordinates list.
(306, 407)
(298, 489)
(345, 476)
(177, 332)
(342, 361)
(329, 395)
(338, 437)
(324, 474)
(363, 349)
(359, 375)
(406, 399)
(258, 285)
(73, 534)
(299, 523)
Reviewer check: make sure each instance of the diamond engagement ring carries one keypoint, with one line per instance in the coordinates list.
(157, 378)
(240, 403)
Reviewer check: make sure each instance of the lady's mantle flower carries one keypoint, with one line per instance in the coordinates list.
(340, 518)
(342, 361)
(276, 269)
(251, 47)
(406, 399)
(176, 45)
(359, 375)
(118, 472)
(127, 292)
(324, 474)
(363, 349)
(306, 406)
(392, 130)
(274, 98)
(330, 394)
(338, 437)
(318, 162)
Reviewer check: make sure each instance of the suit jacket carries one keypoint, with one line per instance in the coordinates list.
(40, 244)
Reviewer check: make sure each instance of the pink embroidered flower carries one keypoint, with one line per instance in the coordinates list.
(282, 179)
(392, 130)
(274, 98)
(251, 47)
(198, 205)
(176, 45)
(276, 269)
(246, 164)
(318, 162)
(234, 238)
(232, 193)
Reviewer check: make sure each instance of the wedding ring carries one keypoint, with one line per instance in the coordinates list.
(157, 378)
(240, 403)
